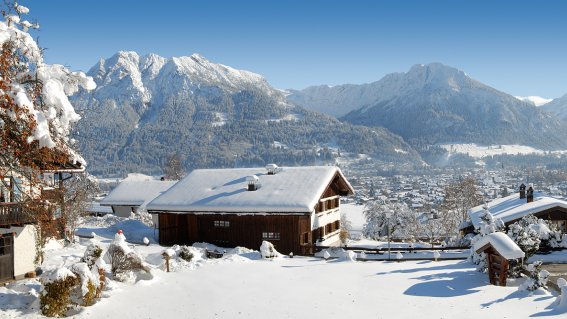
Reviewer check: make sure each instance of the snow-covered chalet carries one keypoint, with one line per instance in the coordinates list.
(292, 207)
(513, 207)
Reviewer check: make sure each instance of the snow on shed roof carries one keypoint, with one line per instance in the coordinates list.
(136, 193)
(513, 207)
(503, 244)
(291, 189)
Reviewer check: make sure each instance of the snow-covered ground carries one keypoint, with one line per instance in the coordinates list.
(480, 151)
(243, 285)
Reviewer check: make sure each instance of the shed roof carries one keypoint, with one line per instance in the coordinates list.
(503, 244)
(291, 189)
(513, 207)
(136, 193)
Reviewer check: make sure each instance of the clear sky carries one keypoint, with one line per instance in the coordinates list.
(519, 47)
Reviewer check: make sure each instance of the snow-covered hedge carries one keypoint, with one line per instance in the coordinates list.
(124, 262)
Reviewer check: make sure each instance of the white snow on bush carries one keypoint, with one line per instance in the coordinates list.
(56, 274)
(86, 275)
(268, 250)
(502, 243)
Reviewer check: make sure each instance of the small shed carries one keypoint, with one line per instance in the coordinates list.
(500, 250)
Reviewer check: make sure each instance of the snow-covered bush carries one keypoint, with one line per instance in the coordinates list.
(525, 235)
(185, 253)
(537, 277)
(549, 235)
(399, 256)
(92, 254)
(85, 293)
(55, 297)
(268, 250)
(123, 260)
(337, 252)
(487, 225)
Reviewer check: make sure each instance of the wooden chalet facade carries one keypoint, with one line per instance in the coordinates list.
(512, 208)
(293, 208)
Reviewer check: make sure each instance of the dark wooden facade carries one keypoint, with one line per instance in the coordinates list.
(13, 214)
(288, 233)
(496, 264)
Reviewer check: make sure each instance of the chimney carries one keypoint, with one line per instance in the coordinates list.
(530, 194)
(272, 169)
(522, 191)
(252, 182)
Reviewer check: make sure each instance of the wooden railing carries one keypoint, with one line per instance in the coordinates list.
(12, 214)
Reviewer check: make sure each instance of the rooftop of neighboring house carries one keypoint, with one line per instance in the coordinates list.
(136, 193)
(513, 207)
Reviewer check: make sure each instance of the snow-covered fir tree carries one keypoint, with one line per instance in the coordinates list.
(525, 235)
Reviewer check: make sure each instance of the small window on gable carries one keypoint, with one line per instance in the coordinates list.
(221, 223)
(270, 236)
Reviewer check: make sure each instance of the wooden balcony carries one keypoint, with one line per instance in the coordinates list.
(12, 214)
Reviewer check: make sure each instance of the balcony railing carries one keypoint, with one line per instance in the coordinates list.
(12, 214)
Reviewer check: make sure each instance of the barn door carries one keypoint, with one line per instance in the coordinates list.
(6, 257)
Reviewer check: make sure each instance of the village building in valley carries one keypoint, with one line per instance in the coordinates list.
(129, 196)
(512, 208)
(292, 207)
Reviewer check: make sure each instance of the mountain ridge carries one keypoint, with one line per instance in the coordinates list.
(444, 105)
(146, 108)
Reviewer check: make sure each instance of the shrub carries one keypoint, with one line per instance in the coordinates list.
(85, 293)
(185, 254)
(123, 260)
(536, 277)
(55, 298)
(91, 255)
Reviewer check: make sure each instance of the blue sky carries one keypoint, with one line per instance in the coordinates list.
(519, 47)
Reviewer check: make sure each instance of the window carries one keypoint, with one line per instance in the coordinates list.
(270, 236)
(5, 245)
(221, 223)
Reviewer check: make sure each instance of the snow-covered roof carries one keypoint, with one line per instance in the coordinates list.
(513, 207)
(503, 244)
(136, 193)
(291, 189)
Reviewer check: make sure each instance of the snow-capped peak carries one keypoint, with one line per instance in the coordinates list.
(535, 100)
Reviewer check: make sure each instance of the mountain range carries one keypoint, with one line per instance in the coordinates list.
(437, 104)
(557, 107)
(147, 108)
